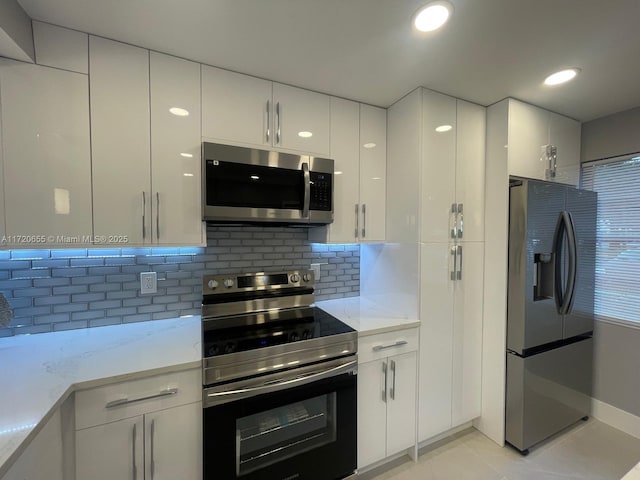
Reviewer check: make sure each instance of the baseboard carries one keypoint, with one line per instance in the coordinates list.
(615, 417)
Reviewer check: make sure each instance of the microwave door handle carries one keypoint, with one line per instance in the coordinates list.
(307, 190)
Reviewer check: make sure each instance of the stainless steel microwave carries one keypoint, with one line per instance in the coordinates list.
(248, 185)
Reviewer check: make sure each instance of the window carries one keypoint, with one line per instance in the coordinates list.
(617, 182)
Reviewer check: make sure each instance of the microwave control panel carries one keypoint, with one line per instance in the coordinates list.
(321, 189)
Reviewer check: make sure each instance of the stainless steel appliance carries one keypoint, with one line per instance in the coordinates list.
(552, 238)
(250, 185)
(279, 381)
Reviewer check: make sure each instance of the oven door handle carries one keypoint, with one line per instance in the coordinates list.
(217, 398)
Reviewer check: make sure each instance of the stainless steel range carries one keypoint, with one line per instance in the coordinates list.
(279, 381)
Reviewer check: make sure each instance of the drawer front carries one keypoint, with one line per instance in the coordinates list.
(375, 347)
(100, 405)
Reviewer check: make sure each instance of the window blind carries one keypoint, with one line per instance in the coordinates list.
(617, 182)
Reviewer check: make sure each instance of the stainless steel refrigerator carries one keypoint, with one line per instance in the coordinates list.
(552, 237)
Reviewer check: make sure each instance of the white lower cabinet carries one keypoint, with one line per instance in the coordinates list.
(387, 397)
(150, 428)
(158, 445)
(450, 336)
(42, 459)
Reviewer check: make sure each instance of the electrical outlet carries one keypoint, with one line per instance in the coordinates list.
(316, 270)
(148, 282)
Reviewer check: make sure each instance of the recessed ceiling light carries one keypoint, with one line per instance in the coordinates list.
(305, 134)
(443, 128)
(180, 112)
(337, 173)
(369, 145)
(432, 16)
(255, 177)
(188, 174)
(562, 76)
(187, 155)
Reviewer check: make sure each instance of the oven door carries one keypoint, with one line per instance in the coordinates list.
(300, 426)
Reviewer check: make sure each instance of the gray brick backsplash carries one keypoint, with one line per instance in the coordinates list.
(64, 289)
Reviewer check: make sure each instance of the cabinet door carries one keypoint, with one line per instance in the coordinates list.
(436, 340)
(470, 161)
(175, 151)
(47, 160)
(403, 172)
(373, 172)
(528, 136)
(120, 140)
(438, 166)
(345, 153)
(42, 459)
(111, 451)
(564, 134)
(302, 120)
(173, 443)
(236, 108)
(467, 335)
(372, 412)
(401, 409)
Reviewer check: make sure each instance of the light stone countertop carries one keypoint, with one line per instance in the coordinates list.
(365, 316)
(38, 372)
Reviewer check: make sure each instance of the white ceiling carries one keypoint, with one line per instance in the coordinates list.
(366, 50)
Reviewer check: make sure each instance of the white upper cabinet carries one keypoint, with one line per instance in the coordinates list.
(301, 120)
(565, 134)
(359, 149)
(435, 186)
(244, 110)
(373, 172)
(120, 140)
(46, 152)
(438, 165)
(236, 108)
(175, 151)
(470, 170)
(404, 153)
(531, 131)
(346, 189)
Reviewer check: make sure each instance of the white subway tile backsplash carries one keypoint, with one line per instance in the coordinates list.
(52, 290)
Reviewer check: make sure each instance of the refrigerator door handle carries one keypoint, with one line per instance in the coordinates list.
(573, 264)
(564, 296)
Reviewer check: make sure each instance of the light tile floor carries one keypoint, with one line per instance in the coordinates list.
(589, 450)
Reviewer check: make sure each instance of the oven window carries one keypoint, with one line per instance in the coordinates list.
(274, 435)
(240, 185)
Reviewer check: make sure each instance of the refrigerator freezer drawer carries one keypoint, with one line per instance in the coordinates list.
(547, 392)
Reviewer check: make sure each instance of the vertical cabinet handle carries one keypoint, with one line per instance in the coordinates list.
(144, 216)
(278, 123)
(134, 465)
(454, 216)
(461, 221)
(459, 274)
(454, 272)
(357, 225)
(393, 380)
(364, 220)
(268, 130)
(158, 216)
(384, 390)
(153, 456)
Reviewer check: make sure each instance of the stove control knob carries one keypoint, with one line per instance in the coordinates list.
(306, 277)
(306, 335)
(213, 284)
(214, 350)
(228, 283)
(229, 347)
(295, 278)
(294, 337)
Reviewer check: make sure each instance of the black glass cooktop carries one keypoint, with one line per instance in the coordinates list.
(221, 336)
